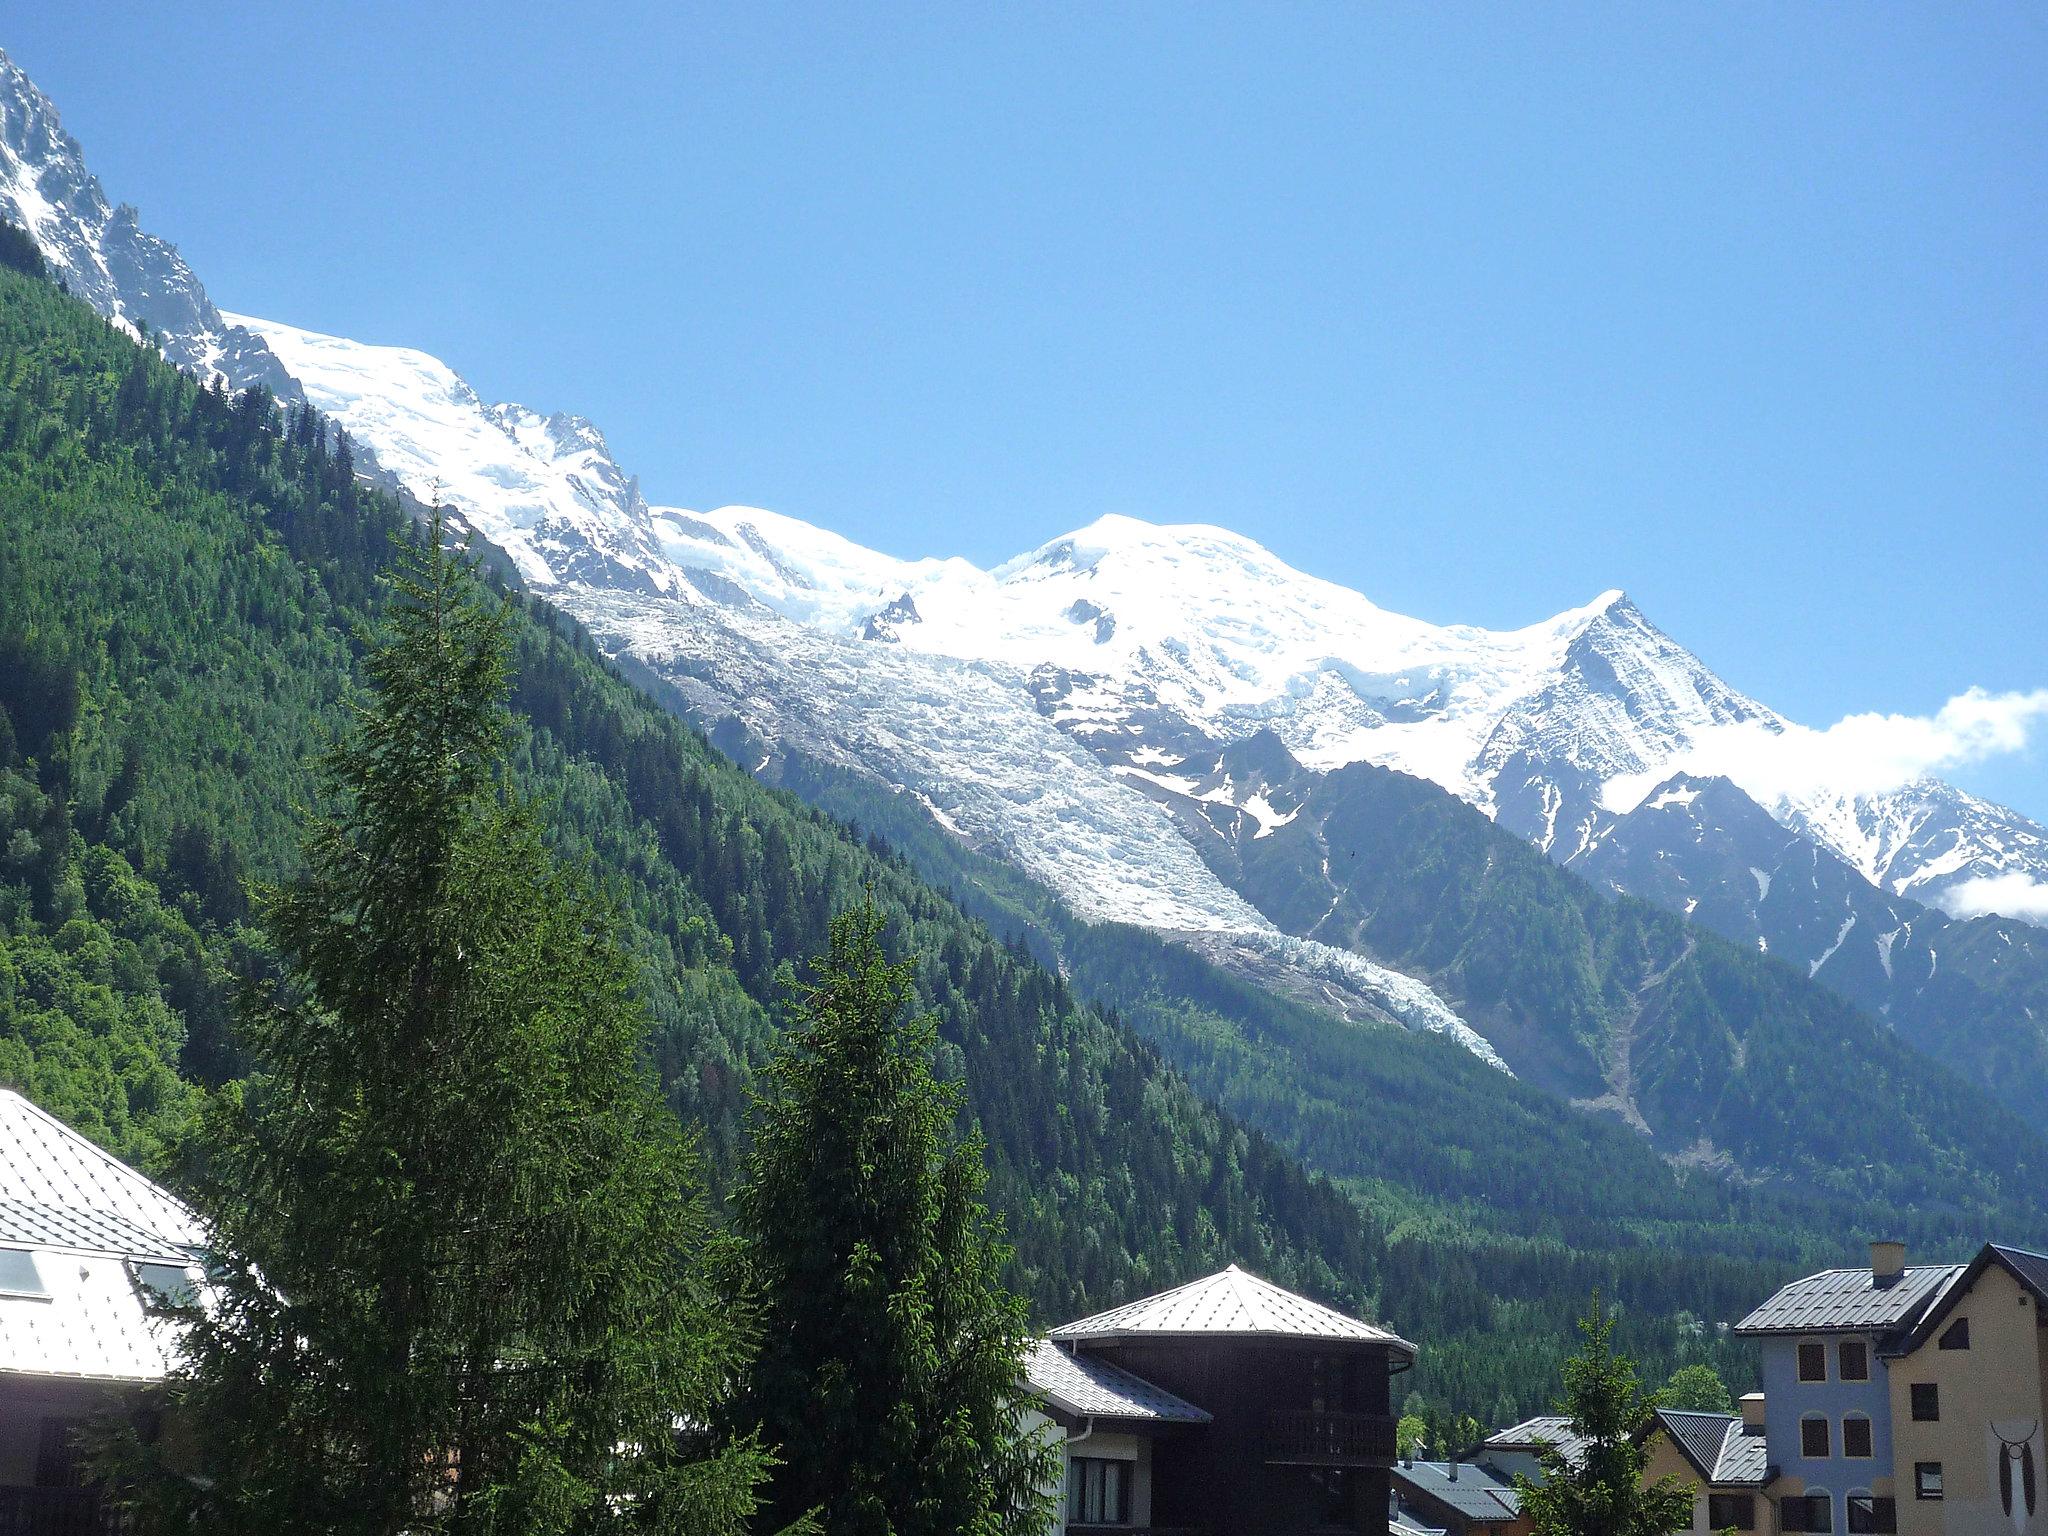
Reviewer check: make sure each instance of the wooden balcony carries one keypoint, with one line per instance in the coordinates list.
(59, 1512)
(1305, 1438)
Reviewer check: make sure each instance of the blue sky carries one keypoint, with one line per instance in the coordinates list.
(1478, 309)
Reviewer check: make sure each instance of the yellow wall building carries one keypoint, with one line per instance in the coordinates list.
(1969, 1404)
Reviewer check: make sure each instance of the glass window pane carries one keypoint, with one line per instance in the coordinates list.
(1813, 1362)
(18, 1275)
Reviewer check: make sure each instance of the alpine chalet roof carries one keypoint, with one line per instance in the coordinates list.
(1717, 1447)
(1545, 1429)
(2029, 1268)
(1476, 1494)
(1850, 1301)
(1090, 1388)
(43, 1162)
(1228, 1304)
(80, 1233)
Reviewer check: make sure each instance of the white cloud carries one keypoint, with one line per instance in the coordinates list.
(2009, 895)
(1858, 755)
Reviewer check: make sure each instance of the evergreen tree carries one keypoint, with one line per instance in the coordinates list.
(891, 1351)
(1698, 1388)
(461, 1280)
(1600, 1491)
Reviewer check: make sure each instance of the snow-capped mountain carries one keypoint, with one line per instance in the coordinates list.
(1151, 645)
(543, 488)
(103, 255)
(1120, 712)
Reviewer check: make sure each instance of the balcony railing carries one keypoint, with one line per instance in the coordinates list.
(59, 1512)
(1311, 1439)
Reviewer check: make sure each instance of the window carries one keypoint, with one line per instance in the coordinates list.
(1813, 1362)
(1856, 1436)
(1926, 1479)
(1956, 1335)
(1098, 1491)
(168, 1285)
(1855, 1360)
(1926, 1402)
(1813, 1439)
(1813, 1513)
(1731, 1511)
(1871, 1516)
(18, 1275)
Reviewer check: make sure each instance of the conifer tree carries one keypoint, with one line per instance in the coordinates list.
(1599, 1489)
(891, 1353)
(461, 1272)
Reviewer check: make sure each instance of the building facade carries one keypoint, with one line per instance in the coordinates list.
(1908, 1398)
(1969, 1403)
(86, 1242)
(1227, 1406)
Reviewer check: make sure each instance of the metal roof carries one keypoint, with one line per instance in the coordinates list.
(1097, 1389)
(1230, 1303)
(2027, 1267)
(1849, 1301)
(1717, 1447)
(1475, 1493)
(83, 1217)
(45, 1162)
(1745, 1459)
(25, 1224)
(2030, 1267)
(1545, 1429)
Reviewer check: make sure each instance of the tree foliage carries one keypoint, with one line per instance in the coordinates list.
(460, 1273)
(1698, 1388)
(1599, 1489)
(890, 1347)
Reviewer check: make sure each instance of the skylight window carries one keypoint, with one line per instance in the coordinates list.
(18, 1276)
(167, 1285)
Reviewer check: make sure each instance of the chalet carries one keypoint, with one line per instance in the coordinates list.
(1459, 1498)
(1722, 1457)
(1908, 1398)
(84, 1242)
(1227, 1406)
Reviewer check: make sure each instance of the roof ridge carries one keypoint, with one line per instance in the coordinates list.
(1246, 1287)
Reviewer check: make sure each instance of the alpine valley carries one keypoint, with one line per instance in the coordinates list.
(1273, 829)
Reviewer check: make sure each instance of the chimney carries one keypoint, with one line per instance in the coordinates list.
(1752, 1413)
(1454, 1469)
(1887, 1263)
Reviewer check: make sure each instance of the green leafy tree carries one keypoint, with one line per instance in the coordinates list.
(1699, 1389)
(1600, 1491)
(890, 1348)
(462, 1280)
(1411, 1433)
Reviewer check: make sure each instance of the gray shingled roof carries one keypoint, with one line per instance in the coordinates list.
(1545, 1429)
(1849, 1301)
(1097, 1389)
(1475, 1493)
(1230, 1303)
(1716, 1446)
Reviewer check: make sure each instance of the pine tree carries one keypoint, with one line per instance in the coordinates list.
(1599, 1491)
(461, 1274)
(891, 1351)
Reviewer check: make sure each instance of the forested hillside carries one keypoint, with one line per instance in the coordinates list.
(181, 581)
(179, 585)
